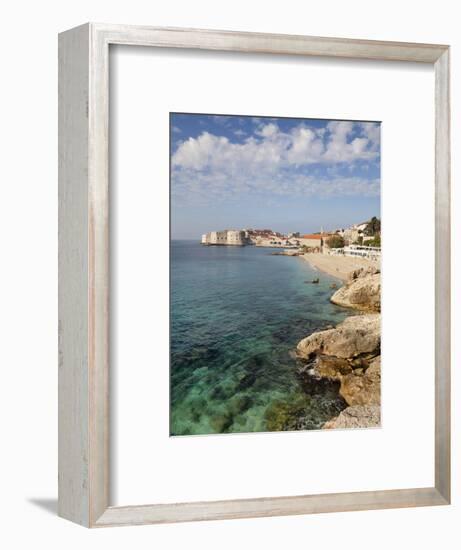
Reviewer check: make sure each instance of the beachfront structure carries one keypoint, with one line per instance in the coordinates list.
(370, 252)
(274, 241)
(313, 241)
(227, 237)
(360, 251)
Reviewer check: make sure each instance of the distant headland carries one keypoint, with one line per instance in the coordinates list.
(358, 240)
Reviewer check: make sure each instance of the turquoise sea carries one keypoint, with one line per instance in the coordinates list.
(237, 314)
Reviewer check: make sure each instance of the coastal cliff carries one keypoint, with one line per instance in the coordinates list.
(350, 353)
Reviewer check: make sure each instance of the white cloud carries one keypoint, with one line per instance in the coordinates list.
(275, 161)
(372, 132)
(268, 130)
(359, 145)
(210, 152)
(306, 147)
(271, 147)
(210, 188)
(340, 148)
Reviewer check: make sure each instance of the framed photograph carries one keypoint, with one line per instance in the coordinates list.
(248, 239)
(240, 358)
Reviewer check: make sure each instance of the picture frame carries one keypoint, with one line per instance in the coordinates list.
(84, 274)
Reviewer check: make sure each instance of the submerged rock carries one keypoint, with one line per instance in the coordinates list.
(358, 416)
(285, 253)
(282, 415)
(362, 293)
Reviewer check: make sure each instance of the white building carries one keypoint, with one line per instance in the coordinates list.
(235, 237)
(228, 237)
(359, 251)
(352, 233)
(217, 237)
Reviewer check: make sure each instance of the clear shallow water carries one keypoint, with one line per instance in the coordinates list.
(237, 314)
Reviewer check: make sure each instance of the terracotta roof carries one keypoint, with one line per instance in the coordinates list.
(318, 237)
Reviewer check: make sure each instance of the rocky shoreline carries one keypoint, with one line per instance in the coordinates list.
(350, 353)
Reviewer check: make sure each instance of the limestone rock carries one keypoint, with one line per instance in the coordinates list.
(363, 388)
(357, 335)
(375, 366)
(362, 293)
(358, 416)
(363, 272)
(333, 368)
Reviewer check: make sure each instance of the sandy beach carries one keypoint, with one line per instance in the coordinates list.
(337, 266)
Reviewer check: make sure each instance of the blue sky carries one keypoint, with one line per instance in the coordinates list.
(287, 174)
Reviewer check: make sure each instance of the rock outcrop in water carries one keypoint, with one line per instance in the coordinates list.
(285, 253)
(363, 292)
(357, 335)
(349, 354)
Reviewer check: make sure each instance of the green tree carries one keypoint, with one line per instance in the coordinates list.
(373, 227)
(335, 241)
(376, 241)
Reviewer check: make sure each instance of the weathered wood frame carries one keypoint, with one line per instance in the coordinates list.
(84, 484)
